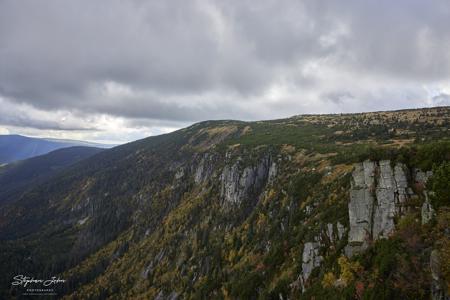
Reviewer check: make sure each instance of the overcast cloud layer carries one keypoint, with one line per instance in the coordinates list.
(121, 70)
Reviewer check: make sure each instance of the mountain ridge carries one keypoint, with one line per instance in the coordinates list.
(21, 175)
(231, 209)
(16, 147)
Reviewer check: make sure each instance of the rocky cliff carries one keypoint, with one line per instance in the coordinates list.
(379, 193)
(239, 183)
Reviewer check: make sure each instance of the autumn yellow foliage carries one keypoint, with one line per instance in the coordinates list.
(329, 279)
(348, 270)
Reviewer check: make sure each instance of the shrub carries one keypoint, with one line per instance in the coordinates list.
(328, 280)
(440, 185)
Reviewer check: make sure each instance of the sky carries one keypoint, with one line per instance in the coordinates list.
(116, 70)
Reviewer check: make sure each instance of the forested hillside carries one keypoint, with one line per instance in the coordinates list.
(351, 206)
(20, 176)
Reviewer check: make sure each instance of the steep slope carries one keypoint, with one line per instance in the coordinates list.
(19, 176)
(324, 206)
(17, 147)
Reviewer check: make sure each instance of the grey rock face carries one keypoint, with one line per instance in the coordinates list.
(391, 194)
(311, 259)
(360, 215)
(82, 221)
(147, 271)
(360, 206)
(160, 296)
(341, 230)
(149, 268)
(385, 208)
(374, 203)
(272, 171)
(422, 177)
(236, 185)
(308, 209)
(427, 210)
(172, 296)
(383, 220)
(230, 179)
(333, 234)
(401, 181)
(179, 174)
(330, 231)
(369, 173)
(204, 169)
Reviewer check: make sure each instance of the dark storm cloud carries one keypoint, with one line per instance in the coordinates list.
(152, 107)
(184, 61)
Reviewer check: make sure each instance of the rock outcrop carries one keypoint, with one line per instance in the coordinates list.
(427, 210)
(340, 230)
(273, 171)
(330, 231)
(238, 184)
(310, 260)
(172, 296)
(421, 177)
(401, 181)
(360, 207)
(204, 169)
(378, 194)
(385, 208)
(149, 268)
(335, 233)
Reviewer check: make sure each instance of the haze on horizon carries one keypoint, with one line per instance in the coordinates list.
(115, 71)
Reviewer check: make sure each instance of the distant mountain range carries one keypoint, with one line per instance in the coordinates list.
(17, 147)
(20, 176)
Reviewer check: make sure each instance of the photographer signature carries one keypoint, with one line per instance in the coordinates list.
(25, 280)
